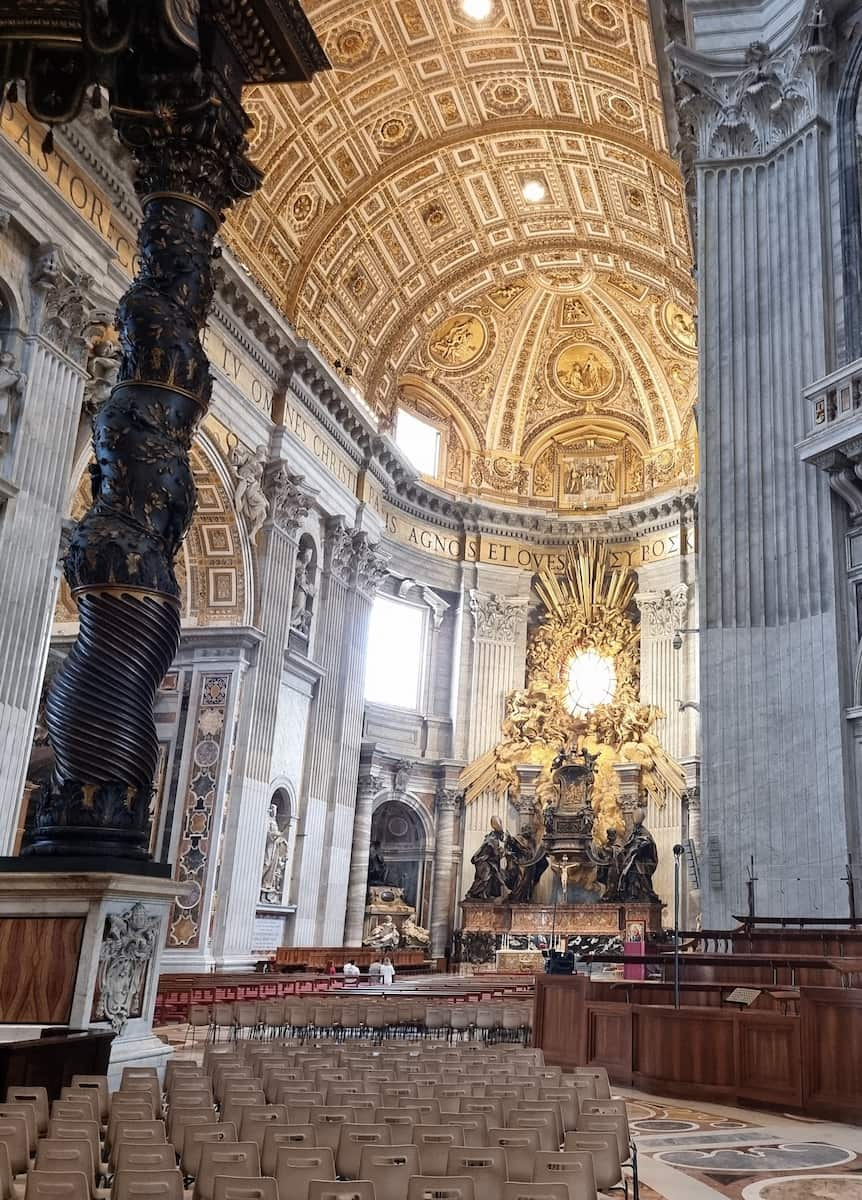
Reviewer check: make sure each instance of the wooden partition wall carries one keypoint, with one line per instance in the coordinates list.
(804, 1052)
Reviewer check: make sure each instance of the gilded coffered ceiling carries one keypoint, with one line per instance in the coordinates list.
(551, 340)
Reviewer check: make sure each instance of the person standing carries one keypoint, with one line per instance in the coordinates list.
(374, 971)
(387, 972)
(351, 971)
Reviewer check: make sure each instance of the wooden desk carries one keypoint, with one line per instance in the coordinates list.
(810, 1062)
(51, 1061)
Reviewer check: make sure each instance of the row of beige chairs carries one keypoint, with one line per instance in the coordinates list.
(494, 1021)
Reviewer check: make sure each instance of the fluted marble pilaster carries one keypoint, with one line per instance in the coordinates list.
(668, 674)
(239, 878)
(448, 802)
(358, 882)
(38, 463)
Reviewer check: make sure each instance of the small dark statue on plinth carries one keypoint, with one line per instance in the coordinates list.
(639, 862)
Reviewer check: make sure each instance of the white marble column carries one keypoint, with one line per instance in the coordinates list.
(448, 803)
(37, 465)
(357, 889)
(245, 829)
(772, 781)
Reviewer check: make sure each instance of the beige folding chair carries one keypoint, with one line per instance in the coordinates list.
(135, 1132)
(185, 1094)
(606, 1156)
(593, 1123)
(489, 1107)
(434, 1143)
(98, 1084)
(141, 1085)
(87, 1131)
(7, 1183)
(234, 1159)
(131, 1157)
(147, 1185)
(427, 1111)
(475, 1126)
(400, 1124)
(600, 1078)
(348, 1189)
(182, 1068)
(64, 1155)
(440, 1187)
(13, 1131)
(569, 1104)
(485, 1166)
(297, 1166)
(328, 1122)
(353, 1139)
(255, 1119)
(226, 1188)
(284, 1137)
(232, 1109)
(521, 1146)
(548, 1106)
(545, 1123)
(389, 1168)
(198, 1136)
(573, 1167)
(38, 1097)
(90, 1097)
(73, 1110)
(535, 1191)
(54, 1185)
(28, 1112)
(179, 1122)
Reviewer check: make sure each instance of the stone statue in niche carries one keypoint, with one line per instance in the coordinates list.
(639, 862)
(249, 498)
(489, 883)
(12, 385)
(377, 874)
(414, 935)
(384, 936)
(274, 860)
(128, 945)
(303, 592)
(103, 364)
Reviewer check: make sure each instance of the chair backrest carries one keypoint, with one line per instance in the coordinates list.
(568, 1101)
(232, 1110)
(600, 1080)
(606, 1155)
(546, 1123)
(185, 1094)
(142, 1085)
(225, 1158)
(400, 1123)
(84, 1096)
(198, 1136)
(132, 1157)
(99, 1085)
(440, 1187)
(51, 1185)
(534, 1191)
(521, 1146)
(179, 1122)
(148, 1185)
(28, 1112)
(435, 1142)
(591, 1123)
(297, 1166)
(545, 1106)
(486, 1166)
(348, 1189)
(284, 1137)
(353, 1139)
(475, 1126)
(255, 1118)
(489, 1106)
(427, 1111)
(389, 1168)
(67, 1154)
(140, 1132)
(75, 1110)
(572, 1167)
(38, 1097)
(59, 1127)
(226, 1188)
(13, 1131)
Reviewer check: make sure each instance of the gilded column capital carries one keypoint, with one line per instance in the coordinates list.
(496, 618)
(744, 110)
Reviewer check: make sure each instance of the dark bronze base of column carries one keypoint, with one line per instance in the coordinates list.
(83, 864)
(71, 820)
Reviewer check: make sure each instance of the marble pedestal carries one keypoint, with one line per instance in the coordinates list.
(83, 950)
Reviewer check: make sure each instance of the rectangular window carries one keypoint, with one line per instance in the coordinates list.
(420, 441)
(396, 652)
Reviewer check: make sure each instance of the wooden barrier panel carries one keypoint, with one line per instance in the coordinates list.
(43, 996)
(808, 1060)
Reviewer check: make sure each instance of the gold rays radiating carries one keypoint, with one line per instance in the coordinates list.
(589, 582)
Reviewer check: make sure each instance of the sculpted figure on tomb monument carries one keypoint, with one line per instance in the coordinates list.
(609, 866)
(12, 385)
(525, 864)
(414, 935)
(640, 859)
(489, 883)
(376, 866)
(384, 936)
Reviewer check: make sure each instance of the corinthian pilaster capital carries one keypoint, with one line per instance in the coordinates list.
(496, 618)
(371, 565)
(63, 304)
(289, 504)
(448, 800)
(737, 111)
(338, 548)
(663, 612)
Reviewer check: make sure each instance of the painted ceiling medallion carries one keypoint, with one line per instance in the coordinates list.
(679, 325)
(458, 341)
(584, 370)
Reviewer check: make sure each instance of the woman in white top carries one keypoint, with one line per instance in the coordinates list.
(387, 971)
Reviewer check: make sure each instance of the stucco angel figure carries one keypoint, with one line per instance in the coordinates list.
(413, 934)
(383, 936)
(104, 367)
(248, 495)
(12, 385)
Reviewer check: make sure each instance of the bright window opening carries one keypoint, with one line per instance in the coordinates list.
(396, 645)
(419, 440)
(592, 680)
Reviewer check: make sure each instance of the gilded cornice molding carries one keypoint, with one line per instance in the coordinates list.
(746, 109)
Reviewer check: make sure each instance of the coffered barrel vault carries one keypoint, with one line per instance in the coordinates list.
(550, 338)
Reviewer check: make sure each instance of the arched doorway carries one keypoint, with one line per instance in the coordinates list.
(398, 829)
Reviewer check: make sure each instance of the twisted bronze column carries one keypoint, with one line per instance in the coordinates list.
(176, 106)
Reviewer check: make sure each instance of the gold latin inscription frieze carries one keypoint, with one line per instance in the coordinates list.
(308, 433)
